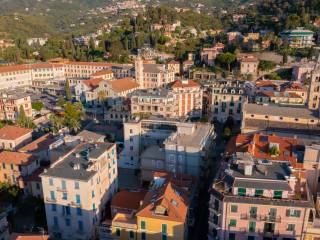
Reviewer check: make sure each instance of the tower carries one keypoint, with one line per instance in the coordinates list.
(139, 71)
(314, 90)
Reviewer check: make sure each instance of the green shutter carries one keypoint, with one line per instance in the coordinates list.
(164, 228)
(233, 223)
(277, 194)
(234, 208)
(143, 225)
(241, 191)
(252, 226)
(258, 192)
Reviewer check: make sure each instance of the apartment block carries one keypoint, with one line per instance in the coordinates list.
(298, 38)
(151, 75)
(248, 65)
(76, 189)
(227, 98)
(279, 119)
(11, 102)
(162, 212)
(314, 89)
(258, 199)
(14, 137)
(179, 147)
(208, 55)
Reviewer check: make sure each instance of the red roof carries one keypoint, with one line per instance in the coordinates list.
(102, 73)
(13, 132)
(22, 236)
(93, 83)
(39, 144)
(123, 84)
(184, 84)
(121, 199)
(266, 83)
(16, 158)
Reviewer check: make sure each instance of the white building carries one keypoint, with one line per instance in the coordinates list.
(76, 189)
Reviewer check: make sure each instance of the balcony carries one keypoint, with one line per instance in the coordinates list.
(256, 217)
(51, 200)
(269, 218)
(269, 233)
(75, 204)
(61, 189)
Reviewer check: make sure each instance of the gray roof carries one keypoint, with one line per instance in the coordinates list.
(89, 136)
(152, 93)
(81, 155)
(153, 68)
(272, 185)
(154, 152)
(275, 110)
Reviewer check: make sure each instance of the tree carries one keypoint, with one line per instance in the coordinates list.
(61, 101)
(227, 58)
(74, 125)
(37, 106)
(266, 65)
(23, 120)
(68, 91)
(56, 122)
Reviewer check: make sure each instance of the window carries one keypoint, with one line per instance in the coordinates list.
(55, 221)
(143, 236)
(143, 225)
(67, 210)
(79, 211)
(234, 208)
(11, 166)
(164, 237)
(3, 165)
(68, 222)
(131, 234)
(78, 199)
(232, 236)
(233, 223)
(52, 195)
(293, 213)
(251, 237)
(252, 226)
(92, 194)
(64, 196)
(63, 185)
(50, 181)
(164, 228)
(277, 194)
(76, 185)
(253, 212)
(258, 192)
(53, 207)
(290, 227)
(93, 206)
(118, 232)
(241, 192)
(38, 186)
(80, 225)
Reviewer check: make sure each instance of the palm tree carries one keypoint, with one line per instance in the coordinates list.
(57, 122)
(74, 125)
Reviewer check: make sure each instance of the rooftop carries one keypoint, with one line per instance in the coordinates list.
(89, 136)
(123, 84)
(39, 144)
(76, 164)
(16, 158)
(13, 132)
(127, 199)
(27, 236)
(275, 110)
(154, 152)
(152, 93)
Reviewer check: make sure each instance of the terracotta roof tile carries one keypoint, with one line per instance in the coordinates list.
(102, 73)
(13, 132)
(120, 200)
(16, 158)
(20, 236)
(93, 83)
(182, 84)
(123, 84)
(39, 144)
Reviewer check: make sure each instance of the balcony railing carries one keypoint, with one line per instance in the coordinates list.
(75, 204)
(269, 218)
(61, 189)
(51, 200)
(256, 217)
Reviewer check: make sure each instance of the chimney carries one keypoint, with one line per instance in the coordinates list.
(248, 169)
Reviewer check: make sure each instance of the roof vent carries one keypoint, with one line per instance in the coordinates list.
(76, 166)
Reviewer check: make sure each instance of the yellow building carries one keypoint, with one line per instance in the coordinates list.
(158, 214)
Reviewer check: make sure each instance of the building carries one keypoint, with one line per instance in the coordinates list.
(249, 65)
(11, 102)
(258, 199)
(185, 146)
(13, 137)
(153, 75)
(227, 100)
(298, 38)
(285, 98)
(208, 55)
(37, 41)
(76, 189)
(28, 236)
(16, 167)
(163, 212)
(302, 71)
(314, 90)
(279, 119)
(174, 65)
(180, 99)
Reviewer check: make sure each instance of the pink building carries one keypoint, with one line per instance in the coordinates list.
(258, 199)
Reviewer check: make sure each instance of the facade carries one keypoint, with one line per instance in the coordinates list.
(314, 90)
(255, 199)
(16, 167)
(13, 137)
(249, 65)
(298, 38)
(181, 99)
(163, 212)
(153, 75)
(10, 103)
(279, 119)
(178, 147)
(4, 229)
(227, 98)
(208, 55)
(76, 189)
(302, 71)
